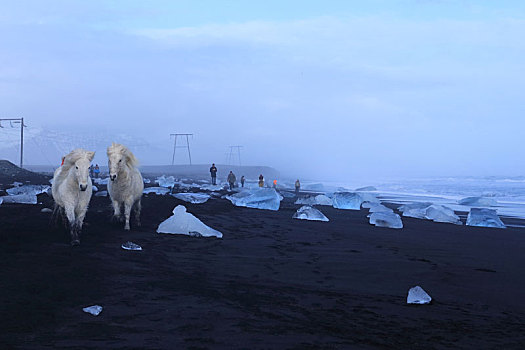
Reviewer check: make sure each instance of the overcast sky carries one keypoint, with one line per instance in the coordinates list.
(326, 89)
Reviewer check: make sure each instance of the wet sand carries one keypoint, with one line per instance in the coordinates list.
(270, 283)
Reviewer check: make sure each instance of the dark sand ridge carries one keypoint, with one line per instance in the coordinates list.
(271, 282)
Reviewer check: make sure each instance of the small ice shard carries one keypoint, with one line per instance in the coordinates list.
(367, 188)
(131, 246)
(260, 198)
(164, 181)
(20, 199)
(156, 190)
(212, 187)
(390, 220)
(100, 181)
(146, 181)
(484, 217)
(415, 210)
(320, 199)
(440, 213)
(195, 198)
(184, 223)
(376, 208)
(478, 202)
(46, 210)
(16, 183)
(101, 194)
(95, 188)
(308, 213)
(416, 295)
(28, 190)
(95, 310)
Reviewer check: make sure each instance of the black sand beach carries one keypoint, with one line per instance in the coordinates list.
(270, 283)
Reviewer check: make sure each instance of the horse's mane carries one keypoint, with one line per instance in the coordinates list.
(117, 148)
(70, 160)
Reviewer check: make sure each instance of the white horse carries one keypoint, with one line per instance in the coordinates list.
(72, 189)
(126, 185)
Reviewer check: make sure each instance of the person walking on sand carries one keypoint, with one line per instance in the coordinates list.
(231, 180)
(297, 186)
(261, 181)
(274, 183)
(242, 181)
(96, 171)
(213, 173)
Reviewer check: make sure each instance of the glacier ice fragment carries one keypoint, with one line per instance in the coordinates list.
(309, 213)
(416, 295)
(320, 199)
(478, 202)
(184, 223)
(156, 190)
(484, 217)
(390, 220)
(196, 198)
(131, 246)
(259, 198)
(95, 310)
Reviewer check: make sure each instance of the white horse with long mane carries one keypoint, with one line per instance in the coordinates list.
(72, 189)
(126, 185)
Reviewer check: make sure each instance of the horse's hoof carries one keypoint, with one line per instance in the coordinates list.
(75, 242)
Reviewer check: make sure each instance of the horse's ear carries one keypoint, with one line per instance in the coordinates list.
(91, 155)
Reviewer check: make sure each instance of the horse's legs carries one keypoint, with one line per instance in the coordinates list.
(116, 209)
(138, 208)
(70, 213)
(127, 213)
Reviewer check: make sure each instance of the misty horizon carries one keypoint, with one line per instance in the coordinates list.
(336, 91)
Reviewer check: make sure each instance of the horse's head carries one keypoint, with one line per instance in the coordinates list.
(81, 170)
(119, 157)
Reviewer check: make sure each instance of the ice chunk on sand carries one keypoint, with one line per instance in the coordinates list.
(308, 213)
(390, 220)
(184, 223)
(101, 194)
(156, 190)
(416, 295)
(28, 189)
(196, 198)
(164, 181)
(146, 180)
(131, 246)
(101, 181)
(352, 200)
(376, 208)
(367, 188)
(320, 199)
(95, 310)
(484, 217)
(213, 187)
(415, 210)
(259, 198)
(440, 213)
(95, 188)
(20, 199)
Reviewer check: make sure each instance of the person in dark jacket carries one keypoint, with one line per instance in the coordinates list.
(213, 172)
(297, 186)
(242, 181)
(231, 180)
(261, 180)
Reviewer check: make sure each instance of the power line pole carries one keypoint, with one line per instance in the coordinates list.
(175, 146)
(22, 126)
(232, 154)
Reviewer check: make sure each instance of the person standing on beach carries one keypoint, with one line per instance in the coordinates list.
(261, 181)
(96, 171)
(242, 181)
(213, 172)
(274, 183)
(297, 186)
(231, 180)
